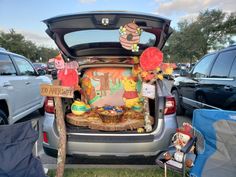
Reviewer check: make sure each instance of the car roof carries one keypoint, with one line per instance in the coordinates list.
(11, 53)
(221, 50)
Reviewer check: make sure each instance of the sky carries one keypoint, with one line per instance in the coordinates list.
(25, 16)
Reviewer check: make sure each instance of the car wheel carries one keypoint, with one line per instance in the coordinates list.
(180, 110)
(3, 118)
(41, 111)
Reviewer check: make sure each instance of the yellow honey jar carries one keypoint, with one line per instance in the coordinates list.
(78, 108)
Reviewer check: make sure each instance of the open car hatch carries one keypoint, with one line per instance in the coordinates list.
(97, 33)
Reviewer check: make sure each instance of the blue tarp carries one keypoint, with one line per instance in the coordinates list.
(218, 158)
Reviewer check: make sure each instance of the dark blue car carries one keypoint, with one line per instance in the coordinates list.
(210, 84)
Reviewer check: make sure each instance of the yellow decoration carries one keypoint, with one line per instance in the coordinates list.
(168, 71)
(158, 69)
(88, 107)
(159, 76)
(136, 70)
(138, 107)
(135, 60)
(130, 95)
(78, 108)
(144, 74)
(140, 130)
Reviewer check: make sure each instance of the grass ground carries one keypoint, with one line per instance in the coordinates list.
(98, 172)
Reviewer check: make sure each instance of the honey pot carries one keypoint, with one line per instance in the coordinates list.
(78, 108)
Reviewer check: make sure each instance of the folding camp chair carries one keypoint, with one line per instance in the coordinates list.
(218, 129)
(174, 163)
(215, 141)
(16, 145)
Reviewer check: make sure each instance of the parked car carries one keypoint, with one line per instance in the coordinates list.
(176, 73)
(51, 65)
(97, 53)
(182, 66)
(19, 88)
(210, 84)
(41, 67)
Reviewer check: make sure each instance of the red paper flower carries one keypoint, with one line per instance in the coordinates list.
(151, 58)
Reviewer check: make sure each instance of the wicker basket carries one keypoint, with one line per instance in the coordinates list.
(111, 118)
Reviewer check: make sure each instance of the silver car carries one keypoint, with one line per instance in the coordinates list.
(19, 88)
(92, 39)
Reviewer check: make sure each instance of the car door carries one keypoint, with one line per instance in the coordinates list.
(231, 101)
(222, 83)
(11, 87)
(29, 82)
(192, 85)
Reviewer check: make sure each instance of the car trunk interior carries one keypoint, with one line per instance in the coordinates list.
(110, 95)
(108, 89)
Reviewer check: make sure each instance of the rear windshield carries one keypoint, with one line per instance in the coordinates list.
(101, 36)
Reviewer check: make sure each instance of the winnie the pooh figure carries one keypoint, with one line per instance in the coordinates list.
(130, 96)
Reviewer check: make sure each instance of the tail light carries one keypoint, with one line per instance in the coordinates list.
(170, 105)
(49, 105)
(45, 137)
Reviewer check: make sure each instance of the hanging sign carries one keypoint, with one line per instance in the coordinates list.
(56, 91)
(148, 90)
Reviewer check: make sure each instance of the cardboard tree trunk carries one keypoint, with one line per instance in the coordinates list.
(58, 92)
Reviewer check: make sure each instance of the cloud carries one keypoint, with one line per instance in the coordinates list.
(40, 39)
(178, 10)
(193, 6)
(189, 17)
(87, 1)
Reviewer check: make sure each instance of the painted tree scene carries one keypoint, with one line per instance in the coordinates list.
(102, 85)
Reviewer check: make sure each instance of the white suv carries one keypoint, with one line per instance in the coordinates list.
(19, 87)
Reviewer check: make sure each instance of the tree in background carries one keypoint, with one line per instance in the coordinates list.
(15, 42)
(212, 30)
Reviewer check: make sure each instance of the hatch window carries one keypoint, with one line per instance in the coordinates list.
(103, 36)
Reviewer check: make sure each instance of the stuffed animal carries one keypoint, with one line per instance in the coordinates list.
(181, 138)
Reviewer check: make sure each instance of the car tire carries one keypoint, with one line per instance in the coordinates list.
(41, 111)
(179, 108)
(3, 118)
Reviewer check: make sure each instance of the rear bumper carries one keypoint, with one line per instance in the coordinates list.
(122, 145)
